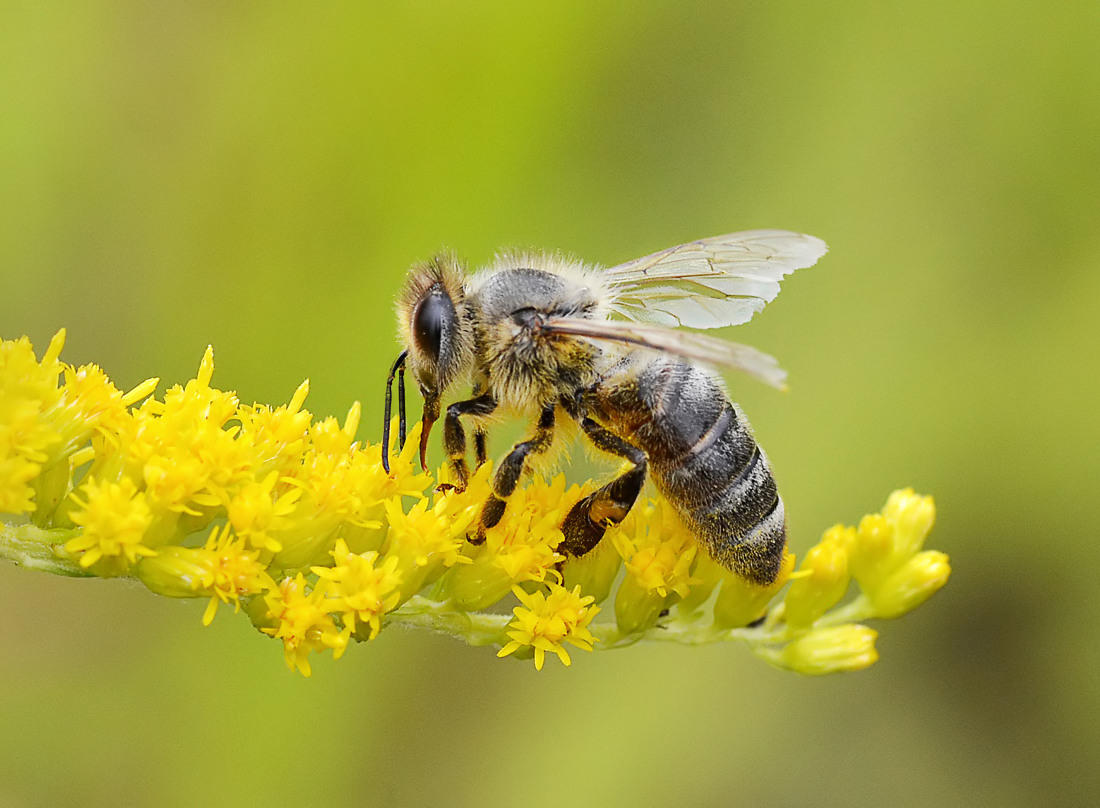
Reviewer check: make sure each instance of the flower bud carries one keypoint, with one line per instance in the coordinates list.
(176, 572)
(913, 517)
(834, 649)
(822, 581)
(637, 608)
(907, 588)
(872, 557)
(476, 586)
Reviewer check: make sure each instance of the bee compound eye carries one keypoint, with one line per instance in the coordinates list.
(433, 316)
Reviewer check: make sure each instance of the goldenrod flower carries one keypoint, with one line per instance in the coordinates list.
(425, 540)
(198, 495)
(115, 517)
(657, 550)
(257, 512)
(521, 547)
(223, 569)
(25, 444)
(545, 621)
(360, 589)
(234, 571)
(302, 621)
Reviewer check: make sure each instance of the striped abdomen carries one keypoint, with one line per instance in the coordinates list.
(703, 459)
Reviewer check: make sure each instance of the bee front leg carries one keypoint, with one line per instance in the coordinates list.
(589, 519)
(508, 474)
(454, 436)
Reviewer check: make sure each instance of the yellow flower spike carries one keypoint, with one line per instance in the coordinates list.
(916, 581)
(115, 517)
(545, 621)
(337, 489)
(740, 602)
(369, 534)
(307, 540)
(848, 647)
(22, 376)
(289, 492)
(361, 589)
(301, 619)
(822, 580)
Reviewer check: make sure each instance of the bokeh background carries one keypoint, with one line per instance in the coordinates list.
(258, 176)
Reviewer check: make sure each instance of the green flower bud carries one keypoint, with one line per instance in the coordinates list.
(907, 588)
(834, 649)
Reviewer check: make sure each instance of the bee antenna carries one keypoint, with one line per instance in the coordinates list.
(398, 370)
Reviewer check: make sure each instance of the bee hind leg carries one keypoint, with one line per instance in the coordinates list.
(508, 473)
(589, 519)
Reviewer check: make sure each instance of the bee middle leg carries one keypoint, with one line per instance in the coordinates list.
(454, 436)
(589, 519)
(508, 474)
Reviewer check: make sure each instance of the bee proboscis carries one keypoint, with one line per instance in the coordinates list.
(553, 338)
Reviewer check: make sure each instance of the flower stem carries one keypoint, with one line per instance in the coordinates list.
(38, 548)
(475, 628)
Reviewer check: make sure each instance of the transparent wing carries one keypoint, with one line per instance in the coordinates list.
(712, 282)
(688, 344)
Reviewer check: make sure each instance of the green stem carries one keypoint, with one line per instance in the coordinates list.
(475, 628)
(39, 549)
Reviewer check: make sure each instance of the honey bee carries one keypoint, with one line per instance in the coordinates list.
(552, 338)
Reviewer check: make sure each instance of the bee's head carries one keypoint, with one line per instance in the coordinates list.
(436, 327)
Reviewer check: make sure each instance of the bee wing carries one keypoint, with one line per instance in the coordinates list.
(712, 282)
(688, 344)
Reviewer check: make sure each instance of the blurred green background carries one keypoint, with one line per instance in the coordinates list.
(258, 176)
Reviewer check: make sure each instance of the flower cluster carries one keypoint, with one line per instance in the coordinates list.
(291, 521)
